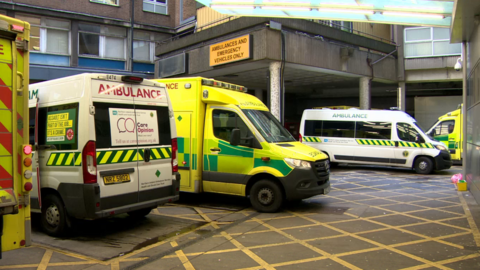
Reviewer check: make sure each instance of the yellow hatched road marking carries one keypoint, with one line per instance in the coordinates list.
(155, 153)
(165, 153)
(105, 157)
(69, 158)
(117, 156)
(127, 156)
(51, 159)
(46, 258)
(60, 159)
(471, 221)
(183, 258)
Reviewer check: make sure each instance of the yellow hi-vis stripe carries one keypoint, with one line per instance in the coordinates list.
(127, 156)
(51, 159)
(69, 159)
(105, 157)
(78, 161)
(117, 156)
(98, 153)
(165, 153)
(60, 159)
(155, 153)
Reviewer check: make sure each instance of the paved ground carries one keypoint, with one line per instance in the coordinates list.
(374, 218)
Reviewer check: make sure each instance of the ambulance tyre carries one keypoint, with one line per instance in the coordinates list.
(54, 216)
(424, 165)
(140, 213)
(266, 196)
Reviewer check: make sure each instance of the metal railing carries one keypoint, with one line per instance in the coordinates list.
(231, 18)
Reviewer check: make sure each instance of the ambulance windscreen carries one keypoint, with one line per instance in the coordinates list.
(271, 130)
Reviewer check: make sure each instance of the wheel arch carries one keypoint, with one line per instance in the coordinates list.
(257, 177)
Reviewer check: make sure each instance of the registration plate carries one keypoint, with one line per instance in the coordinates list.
(326, 191)
(115, 179)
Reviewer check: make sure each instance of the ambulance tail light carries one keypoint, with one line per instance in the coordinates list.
(300, 139)
(26, 166)
(174, 155)
(89, 163)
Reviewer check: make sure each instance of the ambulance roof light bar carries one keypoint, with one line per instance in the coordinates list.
(223, 85)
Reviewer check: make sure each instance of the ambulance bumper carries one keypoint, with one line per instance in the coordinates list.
(305, 183)
(443, 160)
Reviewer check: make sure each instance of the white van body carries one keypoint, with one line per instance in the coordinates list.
(104, 148)
(375, 137)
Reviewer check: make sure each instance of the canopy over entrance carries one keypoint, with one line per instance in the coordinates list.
(405, 12)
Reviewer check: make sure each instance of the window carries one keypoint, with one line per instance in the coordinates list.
(373, 130)
(313, 128)
(103, 127)
(31, 125)
(444, 128)
(108, 2)
(268, 126)
(48, 35)
(225, 121)
(407, 133)
(429, 41)
(144, 45)
(58, 126)
(102, 41)
(342, 129)
(156, 6)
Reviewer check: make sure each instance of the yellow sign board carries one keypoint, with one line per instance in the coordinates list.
(230, 51)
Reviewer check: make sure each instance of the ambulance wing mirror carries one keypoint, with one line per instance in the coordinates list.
(235, 139)
(419, 139)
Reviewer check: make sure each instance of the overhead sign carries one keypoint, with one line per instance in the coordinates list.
(229, 51)
(132, 127)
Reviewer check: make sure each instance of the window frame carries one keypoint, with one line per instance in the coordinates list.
(156, 4)
(237, 115)
(102, 42)
(43, 34)
(432, 42)
(151, 42)
(103, 2)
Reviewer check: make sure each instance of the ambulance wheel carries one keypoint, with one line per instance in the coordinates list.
(266, 196)
(423, 165)
(54, 216)
(140, 213)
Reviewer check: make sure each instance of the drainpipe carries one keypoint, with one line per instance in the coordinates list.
(464, 110)
(132, 21)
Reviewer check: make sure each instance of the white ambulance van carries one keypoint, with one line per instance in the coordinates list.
(374, 137)
(104, 145)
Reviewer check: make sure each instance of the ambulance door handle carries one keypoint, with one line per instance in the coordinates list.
(396, 144)
(215, 149)
(146, 154)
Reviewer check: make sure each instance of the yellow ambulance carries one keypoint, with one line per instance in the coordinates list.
(448, 129)
(15, 153)
(229, 143)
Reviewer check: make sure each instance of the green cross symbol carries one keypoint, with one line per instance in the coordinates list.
(179, 118)
(158, 173)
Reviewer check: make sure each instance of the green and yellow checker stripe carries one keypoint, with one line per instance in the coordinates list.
(312, 139)
(108, 157)
(417, 145)
(65, 159)
(375, 142)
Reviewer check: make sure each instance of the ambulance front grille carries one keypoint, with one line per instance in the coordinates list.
(322, 167)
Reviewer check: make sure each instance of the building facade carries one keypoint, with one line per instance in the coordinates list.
(72, 37)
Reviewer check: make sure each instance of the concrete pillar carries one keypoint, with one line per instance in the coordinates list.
(275, 89)
(259, 94)
(365, 93)
(401, 96)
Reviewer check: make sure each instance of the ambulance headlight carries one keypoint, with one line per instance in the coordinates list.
(440, 147)
(297, 163)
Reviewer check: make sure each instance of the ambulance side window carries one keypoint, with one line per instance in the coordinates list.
(373, 130)
(225, 121)
(58, 126)
(313, 128)
(407, 133)
(31, 125)
(340, 129)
